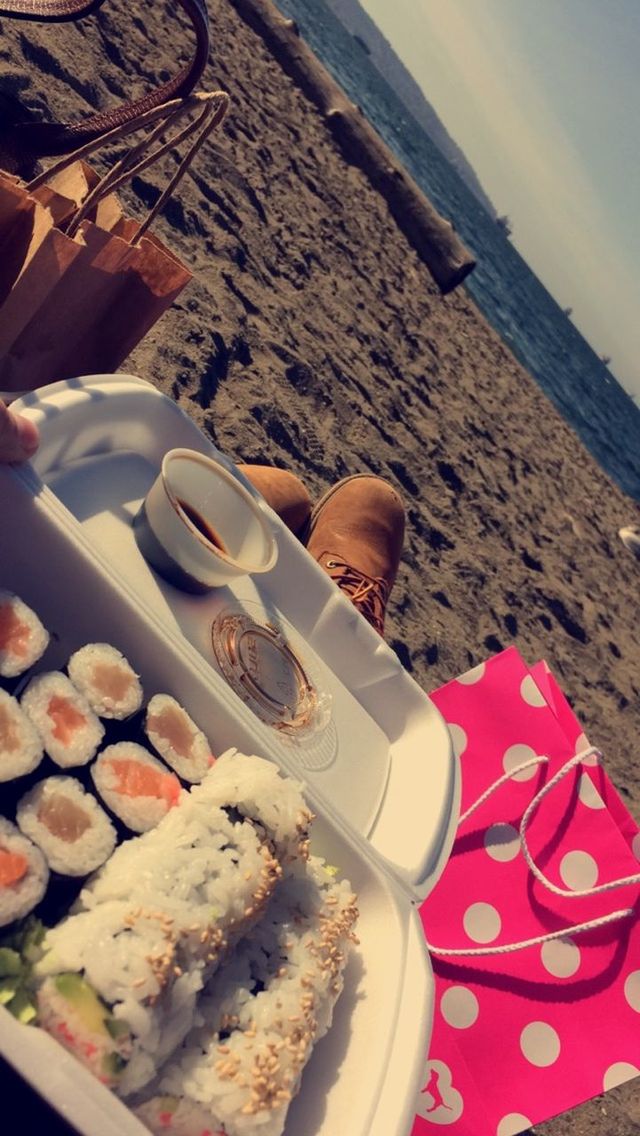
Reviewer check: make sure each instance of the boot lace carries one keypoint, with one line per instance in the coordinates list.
(368, 593)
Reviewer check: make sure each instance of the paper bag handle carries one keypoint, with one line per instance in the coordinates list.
(214, 108)
(566, 893)
(148, 118)
(576, 928)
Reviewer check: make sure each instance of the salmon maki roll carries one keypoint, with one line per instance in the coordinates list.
(177, 738)
(70, 731)
(23, 874)
(108, 682)
(68, 825)
(21, 748)
(137, 787)
(23, 639)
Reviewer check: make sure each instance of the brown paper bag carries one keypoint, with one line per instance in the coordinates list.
(27, 215)
(83, 283)
(82, 306)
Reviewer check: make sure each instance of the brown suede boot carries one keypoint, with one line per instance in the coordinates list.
(283, 491)
(356, 533)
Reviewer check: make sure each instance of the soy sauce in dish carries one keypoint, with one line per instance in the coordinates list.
(203, 526)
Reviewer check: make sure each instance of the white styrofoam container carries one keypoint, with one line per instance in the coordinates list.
(383, 781)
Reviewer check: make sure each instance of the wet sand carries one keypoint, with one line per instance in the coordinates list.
(312, 337)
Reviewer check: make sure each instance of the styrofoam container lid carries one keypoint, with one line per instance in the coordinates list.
(383, 761)
(365, 1074)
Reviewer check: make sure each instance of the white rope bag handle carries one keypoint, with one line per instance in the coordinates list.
(576, 928)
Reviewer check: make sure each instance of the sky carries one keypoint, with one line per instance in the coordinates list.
(543, 97)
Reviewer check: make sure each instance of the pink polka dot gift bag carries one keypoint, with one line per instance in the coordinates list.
(533, 927)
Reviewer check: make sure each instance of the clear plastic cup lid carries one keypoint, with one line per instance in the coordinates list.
(272, 670)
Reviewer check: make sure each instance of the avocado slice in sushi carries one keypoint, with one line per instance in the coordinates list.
(90, 1007)
(70, 1008)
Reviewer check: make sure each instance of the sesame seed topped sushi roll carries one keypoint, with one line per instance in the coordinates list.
(69, 729)
(23, 639)
(155, 923)
(257, 791)
(261, 1015)
(23, 874)
(137, 787)
(107, 680)
(21, 748)
(177, 738)
(68, 825)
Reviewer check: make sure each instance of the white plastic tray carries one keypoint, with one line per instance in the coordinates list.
(363, 1077)
(386, 764)
(383, 780)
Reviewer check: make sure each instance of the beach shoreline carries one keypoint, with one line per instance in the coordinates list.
(313, 337)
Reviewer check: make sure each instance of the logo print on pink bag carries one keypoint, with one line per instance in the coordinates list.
(438, 1101)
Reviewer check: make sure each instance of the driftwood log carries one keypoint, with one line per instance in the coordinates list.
(432, 236)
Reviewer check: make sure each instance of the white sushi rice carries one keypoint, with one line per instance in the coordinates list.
(21, 748)
(257, 790)
(139, 813)
(155, 923)
(69, 851)
(18, 899)
(177, 738)
(28, 641)
(39, 702)
(241, 1069)
(108, 682)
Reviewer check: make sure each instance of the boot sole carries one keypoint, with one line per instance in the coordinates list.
(326, 497)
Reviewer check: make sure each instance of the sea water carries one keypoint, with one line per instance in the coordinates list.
(503, 286)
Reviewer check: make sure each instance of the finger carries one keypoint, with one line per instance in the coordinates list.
(19, 438)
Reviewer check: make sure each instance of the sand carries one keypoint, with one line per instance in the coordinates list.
(313, 338)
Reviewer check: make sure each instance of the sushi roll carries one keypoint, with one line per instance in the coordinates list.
(21, 748)
(23, 639)
(177, 738)
(136, 786)
(69, 729)
(155, 923)
(71, 1011)
(107, 680)
(257, 791)
(23, 874)
(263, 1012)
(68, 825)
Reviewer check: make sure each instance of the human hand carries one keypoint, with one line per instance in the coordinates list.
(19, 437)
